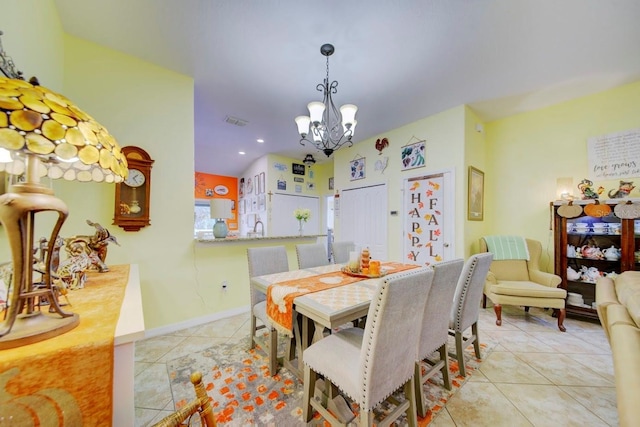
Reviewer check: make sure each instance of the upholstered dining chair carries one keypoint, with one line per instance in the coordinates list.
(311, 255)
(340, 251)
(263, 261)
(435, 328)
(521, 282)
(466, 305)
(200, 405)
(369, 365)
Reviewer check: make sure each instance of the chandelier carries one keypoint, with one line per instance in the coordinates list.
(329, 128)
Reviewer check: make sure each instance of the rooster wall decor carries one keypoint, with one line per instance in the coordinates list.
(381, 144)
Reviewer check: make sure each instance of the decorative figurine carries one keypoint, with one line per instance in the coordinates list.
(626, 187)
(587, 191)
(95, 246)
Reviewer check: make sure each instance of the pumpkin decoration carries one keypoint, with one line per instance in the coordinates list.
(597, 210)
(627, 210)
(570, 210)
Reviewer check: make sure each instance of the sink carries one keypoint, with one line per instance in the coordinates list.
(253, 235)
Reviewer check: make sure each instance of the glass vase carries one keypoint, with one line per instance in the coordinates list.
(300, 227)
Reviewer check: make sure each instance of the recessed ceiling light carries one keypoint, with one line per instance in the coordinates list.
(241, 153)
(260, 140)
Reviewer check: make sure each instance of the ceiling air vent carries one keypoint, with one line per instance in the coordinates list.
(235, 121)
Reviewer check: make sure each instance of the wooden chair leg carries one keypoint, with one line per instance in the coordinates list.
(526, 308)
(253, 331)
(419, 392)
(562, 313)
(409, 393)
(476, 340)
(460, 353)
(273, 352)
(484, 301)
(497, 308)
(445, 369)
(310, 378)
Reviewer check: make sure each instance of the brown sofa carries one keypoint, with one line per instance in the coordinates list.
(618, 305)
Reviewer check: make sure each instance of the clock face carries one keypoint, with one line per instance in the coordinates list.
(135, 178)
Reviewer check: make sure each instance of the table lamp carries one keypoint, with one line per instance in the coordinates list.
(43, 134)
(220, 210)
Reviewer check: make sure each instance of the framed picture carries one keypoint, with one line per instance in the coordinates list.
(282, 184)
(298, 179)
(241, 189)
(311, 185)
(476, 195)
(297, 169)
(262, 202)
(413, 156)
(331, 183)
(357, 169)
(298, 188)
(262, 183)
(256, 184)
(241, 204)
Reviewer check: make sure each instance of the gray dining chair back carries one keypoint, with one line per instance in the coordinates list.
(340, 251)
(435, 328)
(263, 261)
(311, 255)
(369, 365)
(466, 305)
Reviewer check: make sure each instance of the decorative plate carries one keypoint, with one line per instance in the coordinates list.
(348, 272)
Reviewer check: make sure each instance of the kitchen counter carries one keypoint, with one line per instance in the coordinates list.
(256, 238)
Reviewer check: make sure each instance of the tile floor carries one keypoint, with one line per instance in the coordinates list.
(535, 376)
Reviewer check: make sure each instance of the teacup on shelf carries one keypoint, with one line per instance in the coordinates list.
(600, 227)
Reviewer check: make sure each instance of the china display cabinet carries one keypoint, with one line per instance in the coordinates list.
(590, 243)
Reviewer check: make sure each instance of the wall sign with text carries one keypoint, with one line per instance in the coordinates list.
(616, 155)
(297, 169)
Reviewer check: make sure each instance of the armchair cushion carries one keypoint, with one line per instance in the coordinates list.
(527, 288)
(515, 269)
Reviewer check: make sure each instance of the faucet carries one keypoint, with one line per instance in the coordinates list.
(255, 228)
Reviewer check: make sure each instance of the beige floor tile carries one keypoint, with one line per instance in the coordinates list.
(566, 343)
(144, 417)
(562, 370)
(581, 325)
(152, 390)
(191, 345)
(505, 367)
(521, 341)
(479, 404)
(546, 405)
(602, 364)
(138, 367)
(596, 338)
(599, 400)
(478, 376)
(224, 328)
(443, 419)
(152, 349)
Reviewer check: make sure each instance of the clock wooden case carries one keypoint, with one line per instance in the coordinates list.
(132, 201)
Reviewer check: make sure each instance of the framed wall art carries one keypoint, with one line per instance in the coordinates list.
(412, 155)
(256, 184)
(476, 195)
(331, 183)
(262, 183)
(282, 184)
(357, 167)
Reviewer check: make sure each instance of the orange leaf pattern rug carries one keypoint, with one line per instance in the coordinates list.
(244, 393)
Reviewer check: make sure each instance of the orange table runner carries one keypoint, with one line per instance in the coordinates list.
(280, 296)
(68, 380)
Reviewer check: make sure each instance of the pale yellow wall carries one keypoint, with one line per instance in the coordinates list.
(526, 153)
(476, 156)
(444, 133)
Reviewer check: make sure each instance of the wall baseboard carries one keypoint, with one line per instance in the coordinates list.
(163, 330)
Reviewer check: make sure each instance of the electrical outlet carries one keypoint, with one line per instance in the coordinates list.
(225, 285)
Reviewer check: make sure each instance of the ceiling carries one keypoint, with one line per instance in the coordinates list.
(397, 60)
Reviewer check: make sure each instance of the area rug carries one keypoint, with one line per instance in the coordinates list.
(243, 393)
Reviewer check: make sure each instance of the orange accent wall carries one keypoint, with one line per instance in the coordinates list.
(205, 188)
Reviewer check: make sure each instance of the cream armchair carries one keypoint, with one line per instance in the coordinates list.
(521, 282)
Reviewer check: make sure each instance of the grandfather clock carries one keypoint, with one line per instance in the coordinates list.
(132, 195)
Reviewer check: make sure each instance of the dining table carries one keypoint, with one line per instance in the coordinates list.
(305, 303)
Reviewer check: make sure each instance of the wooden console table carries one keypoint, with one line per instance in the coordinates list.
(85, 376)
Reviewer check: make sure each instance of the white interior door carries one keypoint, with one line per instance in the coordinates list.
(363, 218)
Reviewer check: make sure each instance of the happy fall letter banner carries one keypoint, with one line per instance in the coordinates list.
(423, 243)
